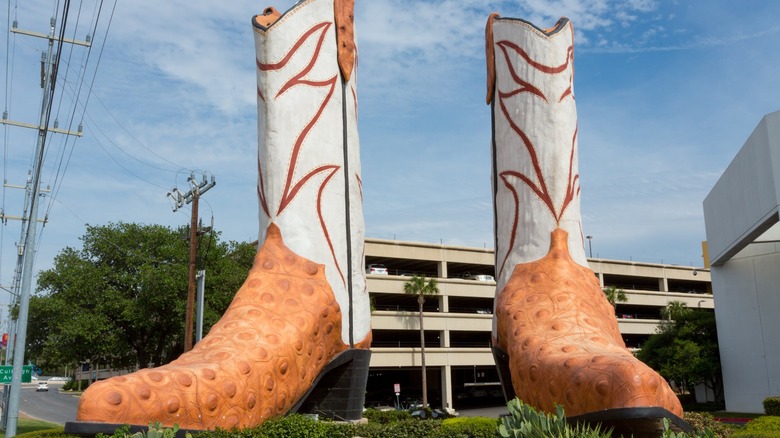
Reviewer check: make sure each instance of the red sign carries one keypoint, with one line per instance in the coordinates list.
(397, 388)
(4, 340)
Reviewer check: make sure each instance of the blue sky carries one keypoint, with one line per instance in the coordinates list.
(667, 92)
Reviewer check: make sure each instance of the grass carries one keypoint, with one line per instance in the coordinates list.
(25, 425)
(725, 414)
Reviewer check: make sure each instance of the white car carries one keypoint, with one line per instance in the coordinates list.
(42, 386)
(479, 277)
(376, 268)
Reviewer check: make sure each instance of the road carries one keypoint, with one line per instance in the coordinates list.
(52, 405)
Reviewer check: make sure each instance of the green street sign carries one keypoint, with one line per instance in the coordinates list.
(6, 371)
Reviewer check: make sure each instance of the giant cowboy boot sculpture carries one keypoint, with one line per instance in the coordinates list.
(296, 336)
(555, 336)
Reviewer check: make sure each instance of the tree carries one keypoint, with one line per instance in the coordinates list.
(418, 286)
(674, 310)
(120, 300)
(615, 295)
(685, 349)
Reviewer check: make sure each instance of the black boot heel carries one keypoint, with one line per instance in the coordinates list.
(504, 375)
(339, 392)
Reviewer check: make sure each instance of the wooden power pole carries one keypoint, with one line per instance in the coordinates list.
(180, 199)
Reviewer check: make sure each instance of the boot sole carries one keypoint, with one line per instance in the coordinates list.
(337, 393)
(636, 422)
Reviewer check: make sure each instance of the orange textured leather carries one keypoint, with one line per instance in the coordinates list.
(280, 331)
(268, 17)
(563, 341)
(490, 58)
(344, 16)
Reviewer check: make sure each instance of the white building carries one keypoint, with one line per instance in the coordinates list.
(741, 216)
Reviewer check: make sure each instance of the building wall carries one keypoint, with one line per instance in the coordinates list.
(748, 325)
(741, 217)
(744, 201)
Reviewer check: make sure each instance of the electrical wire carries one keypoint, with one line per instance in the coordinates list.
(40, 151)
(61, 160)
(88, 116)
(65, 139)
(139, 142)
(9, 69)
(124, 250)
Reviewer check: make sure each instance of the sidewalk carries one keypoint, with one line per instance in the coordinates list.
(493, 412)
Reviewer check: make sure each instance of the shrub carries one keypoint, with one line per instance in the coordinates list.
(46, 433)
(369, 430)
(73, 385)
(755, 434)
(409, 429)
(384, 417)
(155, 430)
(766, 423)
(524, 421)
(473, 427)
(772, 406)
(669, 433)
(704, 421)
(761, 427)
(294, 425)
(290, 426)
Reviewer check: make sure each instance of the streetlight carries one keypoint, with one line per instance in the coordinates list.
(590, 246)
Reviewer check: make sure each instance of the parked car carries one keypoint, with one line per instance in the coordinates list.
(478, 277)
(376, 268)
(434, 413)
(42, 386)
(380, 406)
(478, 392)
(496, 393)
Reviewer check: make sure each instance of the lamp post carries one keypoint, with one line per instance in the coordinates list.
(590, 246)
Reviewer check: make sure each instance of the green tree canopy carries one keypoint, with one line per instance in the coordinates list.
(421, 287)
(674, 310)
(685, 350)
(120, 300)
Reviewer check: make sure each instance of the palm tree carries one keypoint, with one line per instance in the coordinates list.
(670, 314)
(615, 295)
(418, 285)
(673, 310)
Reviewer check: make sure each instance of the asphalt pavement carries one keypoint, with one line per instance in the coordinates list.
(53, 405)
(492, 412)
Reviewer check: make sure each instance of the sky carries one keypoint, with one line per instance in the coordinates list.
(667, 92)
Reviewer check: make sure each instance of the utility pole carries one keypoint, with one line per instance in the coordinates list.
(179, 199)
(15, 289)
(201, 277)
(590, 247)
(49, 63)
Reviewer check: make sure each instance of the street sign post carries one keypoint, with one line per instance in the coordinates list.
(6, 372)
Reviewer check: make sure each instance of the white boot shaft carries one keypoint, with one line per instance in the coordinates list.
(536, 184)
(309, 155)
